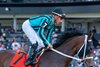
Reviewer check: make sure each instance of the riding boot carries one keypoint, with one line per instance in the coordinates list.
(34, 57)
(36, 54)
(31, 53)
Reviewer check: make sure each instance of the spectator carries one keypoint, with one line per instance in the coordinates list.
(4, 35)
(94, 30)
(96, 43)
(24, 38)
(2, 47)
(9, 42)
(24, 46)
(2, 38)
(15, 45)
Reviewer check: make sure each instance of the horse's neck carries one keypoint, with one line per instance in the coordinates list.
(57, 60)
(68, 47)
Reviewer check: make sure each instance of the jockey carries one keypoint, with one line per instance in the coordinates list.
(35, 27)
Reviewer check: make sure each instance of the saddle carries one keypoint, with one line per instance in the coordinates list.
(20, 58)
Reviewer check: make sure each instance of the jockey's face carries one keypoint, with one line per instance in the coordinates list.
(57, 19)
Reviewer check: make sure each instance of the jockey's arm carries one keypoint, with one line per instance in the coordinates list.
(46, 42)
(49, 33)
(46, 24)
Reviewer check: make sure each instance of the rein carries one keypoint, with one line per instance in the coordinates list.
(78, 59)
(65, 55)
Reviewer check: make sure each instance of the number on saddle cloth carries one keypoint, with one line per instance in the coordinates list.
(19, 60)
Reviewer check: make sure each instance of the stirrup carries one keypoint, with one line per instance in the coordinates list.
(28, 62)
(37, 57)
(35, 62)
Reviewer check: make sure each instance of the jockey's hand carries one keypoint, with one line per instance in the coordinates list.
(49, 46)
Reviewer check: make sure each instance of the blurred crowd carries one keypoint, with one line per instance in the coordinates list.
(12, 40)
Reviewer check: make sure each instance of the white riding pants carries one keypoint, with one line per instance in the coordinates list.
(31, 34)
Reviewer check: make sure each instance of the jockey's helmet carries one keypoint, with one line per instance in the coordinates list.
(59, 12)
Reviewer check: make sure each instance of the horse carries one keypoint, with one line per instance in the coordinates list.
(68, 43)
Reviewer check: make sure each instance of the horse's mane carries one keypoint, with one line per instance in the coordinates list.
(65, 36)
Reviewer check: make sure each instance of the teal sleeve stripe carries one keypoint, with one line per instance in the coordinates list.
(49, 34)
(42, 21)
(43, 36)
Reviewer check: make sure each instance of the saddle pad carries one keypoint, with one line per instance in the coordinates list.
(19, 60)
